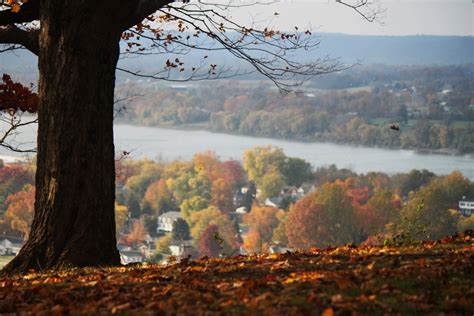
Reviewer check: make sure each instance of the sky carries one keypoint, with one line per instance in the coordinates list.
(399, 17)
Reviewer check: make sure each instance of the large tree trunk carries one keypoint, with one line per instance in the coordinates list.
(74, 211)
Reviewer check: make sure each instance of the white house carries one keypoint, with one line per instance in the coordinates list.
(466, 207)
(10, 245)
(166, 220)
(127, 257)
(181, 249)
(273, 202)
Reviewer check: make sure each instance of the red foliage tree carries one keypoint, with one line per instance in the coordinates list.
(209, 242)
(14, 96)
(305, 226)
(13, 178)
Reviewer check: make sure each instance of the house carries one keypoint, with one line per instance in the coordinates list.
(292, 192)
(131, 256)
(466, 207)
(279, 249)
(166, 220)
(181, 249)
(241, 210)
(239, 197)
(10, 245)
(273, 202)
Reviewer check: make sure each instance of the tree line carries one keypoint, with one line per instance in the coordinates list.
(432, 109)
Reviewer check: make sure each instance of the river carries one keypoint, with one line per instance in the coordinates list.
(169, 144)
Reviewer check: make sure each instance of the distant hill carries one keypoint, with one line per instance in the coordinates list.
(400, 50)
(390, 50)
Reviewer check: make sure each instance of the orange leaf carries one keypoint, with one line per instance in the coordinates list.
(15, 8)
(328, 312)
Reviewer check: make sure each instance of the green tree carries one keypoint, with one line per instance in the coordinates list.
(414, 180)
(385, 210)
(163, 244)
(133, 206)
(403, 113)
(427, 214)
(180, 230)
(271, 184)
(258, 161)
(192, 205)
(121, 217)
(151, 224)
(296, 171)
(148, 172)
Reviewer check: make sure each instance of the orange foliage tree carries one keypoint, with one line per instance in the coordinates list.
(20, 210)
(323, 218)
(262, 222)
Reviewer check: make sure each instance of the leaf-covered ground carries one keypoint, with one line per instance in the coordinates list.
(428, 278)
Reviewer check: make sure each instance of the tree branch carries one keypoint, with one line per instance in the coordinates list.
(141, 10)
(29, 12)
(14, 35)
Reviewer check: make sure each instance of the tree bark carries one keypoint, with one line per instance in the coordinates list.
(74, 210)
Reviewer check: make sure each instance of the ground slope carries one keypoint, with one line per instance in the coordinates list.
(427, 278)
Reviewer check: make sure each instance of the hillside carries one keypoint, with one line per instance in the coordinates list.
(390, 50)
(428, 278)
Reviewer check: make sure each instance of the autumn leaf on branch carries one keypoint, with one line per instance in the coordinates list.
(14, 96)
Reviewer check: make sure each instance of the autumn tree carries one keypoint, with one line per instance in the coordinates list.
(323, 218)
(12, 179)
(427, 214)
(121, 217)
(77, 43)
(386, 208)
(20, 210)
(159, 197)
(262, 222)
(208, 242)
(201, 220)
(137, 233)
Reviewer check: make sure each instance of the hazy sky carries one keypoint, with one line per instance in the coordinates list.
(400, 17)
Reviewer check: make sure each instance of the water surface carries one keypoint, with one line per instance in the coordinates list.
(170, 144)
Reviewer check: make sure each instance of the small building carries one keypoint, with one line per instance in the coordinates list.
(241, 210)
(279, 249)
(181, 249)
(10, 245)
(239, 198)
(273, 202)
(131, 256)
(293, 192)
(466, 207)
(166, 220)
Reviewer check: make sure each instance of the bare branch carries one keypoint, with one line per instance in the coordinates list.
(10, 127)
(364, 8)
(279, 56)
